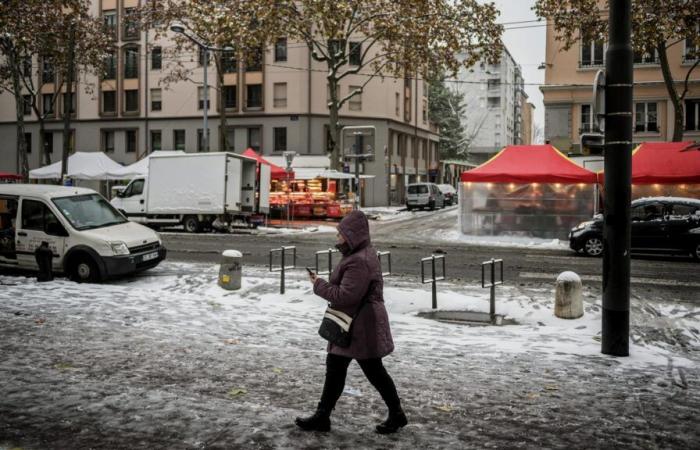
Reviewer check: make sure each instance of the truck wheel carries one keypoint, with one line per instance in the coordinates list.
(593, 246)
(192, 224)
(84, 270)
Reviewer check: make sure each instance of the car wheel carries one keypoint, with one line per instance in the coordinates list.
(192, 224)
(408, 208)
(696, 253)
(84, 270)
(431, 206)
(593, 246)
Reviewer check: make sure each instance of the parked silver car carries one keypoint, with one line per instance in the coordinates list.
(424, 195)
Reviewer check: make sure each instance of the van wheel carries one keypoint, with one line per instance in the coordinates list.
(593, 246)
(84, 270)
(192, 224)
(696, 253)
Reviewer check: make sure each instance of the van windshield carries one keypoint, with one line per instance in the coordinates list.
(85, 212)
(418, 189)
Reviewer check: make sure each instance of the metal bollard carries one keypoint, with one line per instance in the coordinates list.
(283, 265)
(381, 265)
(329, 252)
(492, 284)
(433, 279)
(230, 273)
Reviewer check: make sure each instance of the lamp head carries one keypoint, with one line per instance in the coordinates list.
(177, 27)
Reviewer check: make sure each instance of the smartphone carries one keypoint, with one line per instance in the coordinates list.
(311, 272)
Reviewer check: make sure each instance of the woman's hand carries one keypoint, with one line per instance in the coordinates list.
(312, 277)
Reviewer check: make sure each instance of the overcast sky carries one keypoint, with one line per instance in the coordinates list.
(527, 45)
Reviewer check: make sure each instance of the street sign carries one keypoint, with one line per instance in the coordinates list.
(358, 142)
(599, 101)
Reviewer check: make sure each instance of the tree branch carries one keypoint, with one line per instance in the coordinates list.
(687, 80)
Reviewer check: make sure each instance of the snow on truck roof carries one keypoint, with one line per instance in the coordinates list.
(46, 190)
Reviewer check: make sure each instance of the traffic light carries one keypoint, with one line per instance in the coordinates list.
(592, 144)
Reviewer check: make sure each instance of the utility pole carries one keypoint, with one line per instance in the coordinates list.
(68, 102)
(618, 177)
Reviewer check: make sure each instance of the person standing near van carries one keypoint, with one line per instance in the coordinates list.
(356, 283)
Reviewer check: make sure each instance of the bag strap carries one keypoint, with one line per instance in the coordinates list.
(363, 302)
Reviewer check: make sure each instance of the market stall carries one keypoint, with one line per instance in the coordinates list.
(526, 190)
(7, 177)
(81, 166)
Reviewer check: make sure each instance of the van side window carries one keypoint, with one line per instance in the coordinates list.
(136, 188)
(37, 216)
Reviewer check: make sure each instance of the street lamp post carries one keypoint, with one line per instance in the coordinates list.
(289, 158)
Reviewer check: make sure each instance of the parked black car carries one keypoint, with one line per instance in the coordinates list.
(659, 225)
(449, 192)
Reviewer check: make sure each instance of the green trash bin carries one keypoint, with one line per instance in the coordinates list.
(230, 271)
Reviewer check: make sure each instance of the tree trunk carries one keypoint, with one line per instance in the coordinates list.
(42, 131)
(70, 69)
(19, 102)
(223, 138)
(334, 127)
(672, 93)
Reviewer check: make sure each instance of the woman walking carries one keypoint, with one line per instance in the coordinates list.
(356, 283)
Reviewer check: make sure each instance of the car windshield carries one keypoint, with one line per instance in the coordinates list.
(85, 212)
(419, 189)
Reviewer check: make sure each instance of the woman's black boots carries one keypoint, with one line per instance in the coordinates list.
(320, 421)
(396, 420)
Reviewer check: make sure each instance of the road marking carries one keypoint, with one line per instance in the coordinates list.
(598, 278)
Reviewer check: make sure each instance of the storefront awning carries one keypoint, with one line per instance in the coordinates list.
(529, 164)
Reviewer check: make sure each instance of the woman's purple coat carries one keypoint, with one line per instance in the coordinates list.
(349, 283)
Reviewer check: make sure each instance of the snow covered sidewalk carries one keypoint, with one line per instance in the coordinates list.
(170, 360)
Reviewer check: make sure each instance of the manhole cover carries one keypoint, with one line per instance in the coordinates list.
(467, 318)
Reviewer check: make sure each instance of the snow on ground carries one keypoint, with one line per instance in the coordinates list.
(304, 230)
(170, 360)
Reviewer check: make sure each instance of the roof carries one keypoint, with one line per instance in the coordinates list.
(49, 190)
(530, 164)
(665, 163)
(81, 165)
(140, 167)
(276, 171)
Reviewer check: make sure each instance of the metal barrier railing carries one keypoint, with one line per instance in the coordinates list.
(492, 263)
(328, 252)
(433, 278)
(283, 264)
(381, 263)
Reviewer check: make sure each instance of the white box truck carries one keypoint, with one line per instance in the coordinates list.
(197, 189)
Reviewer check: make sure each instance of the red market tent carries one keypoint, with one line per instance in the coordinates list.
(529, 164)
(276, 172)
(665, 163)
(10, 176)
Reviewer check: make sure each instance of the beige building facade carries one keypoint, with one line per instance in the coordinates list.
(528, 111)
(568, 92)
(275, 104)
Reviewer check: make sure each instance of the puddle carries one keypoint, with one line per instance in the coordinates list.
(470, 318)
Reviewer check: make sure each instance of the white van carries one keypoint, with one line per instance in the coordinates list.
(424, 195)
(91, 241)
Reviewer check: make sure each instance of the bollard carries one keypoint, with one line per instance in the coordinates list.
(434, 278)
(329, 252)
(568, 301)
(230, 272)
(44, 259)
(381, 264)
(283, 265)
(492, 285)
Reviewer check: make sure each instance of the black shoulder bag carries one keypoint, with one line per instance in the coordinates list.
(336, 326)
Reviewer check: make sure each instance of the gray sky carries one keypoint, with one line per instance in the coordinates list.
(527, 45)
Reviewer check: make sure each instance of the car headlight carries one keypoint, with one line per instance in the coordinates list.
(695, 231)
(583, 225)
(119, 248)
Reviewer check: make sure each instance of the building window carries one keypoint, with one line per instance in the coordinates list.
(493, 102)
(280, 139)
(27, 65)
(355, 102)
(336, 47)
(586, 119)
(109, 19)
(131, 25)
(692, 115)
(131, 62)
(646, 57)
(200, 101)
(645, 117)
(156, 140)
(230, 97)
(48, 73)
(47, 104)
(397, 105)
(48, 142)
(254, 138)
(280, 95)
(108, 141)
(407, 100)
(28, 142)
(131, 100)
(691, 51)
(254, 62)
(425, 111)
(26, 104)
(109, 102)
(493, 84)
(110, 66)
(156, 58)
(130, 141)
(156, 99)
(281, 50)
(200, 141)
(355, 53)
(179, 139)
(228, 61)
(254, 96)
(69, 101)
(592, 53)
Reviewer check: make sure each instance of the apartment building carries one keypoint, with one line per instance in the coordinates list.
(495, 97)
(568, 92)
(527, 122)
(275, 103)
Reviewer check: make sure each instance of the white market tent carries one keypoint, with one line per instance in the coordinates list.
(140, 167)
(81, 166)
